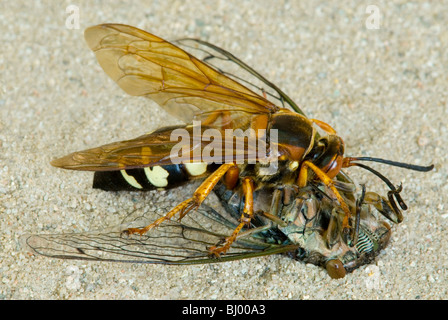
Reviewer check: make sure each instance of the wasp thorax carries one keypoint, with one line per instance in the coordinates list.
(295, 135)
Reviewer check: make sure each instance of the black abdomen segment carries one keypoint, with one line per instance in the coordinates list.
(148, 178)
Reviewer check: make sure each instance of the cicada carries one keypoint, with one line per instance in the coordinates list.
(244, 136)
(303, 223)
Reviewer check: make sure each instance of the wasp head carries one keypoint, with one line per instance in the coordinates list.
(328, 154)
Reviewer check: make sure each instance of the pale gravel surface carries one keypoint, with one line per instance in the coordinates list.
(385, 91)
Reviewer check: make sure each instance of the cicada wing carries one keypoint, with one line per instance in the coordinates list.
(145, 65)
(234, 68)
(173, 242)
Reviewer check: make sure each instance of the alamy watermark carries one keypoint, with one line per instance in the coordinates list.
(372, 280)
(72, 20)
(374, 19)
(236, 146)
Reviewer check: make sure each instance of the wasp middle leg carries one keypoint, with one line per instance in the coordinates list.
(246, 216)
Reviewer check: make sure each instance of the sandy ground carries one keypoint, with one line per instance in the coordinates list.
(384, 90)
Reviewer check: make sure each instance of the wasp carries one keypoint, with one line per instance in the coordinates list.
(279, 146)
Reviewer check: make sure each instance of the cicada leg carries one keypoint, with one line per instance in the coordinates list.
(272, 216)
(331, 235)
(280, 198)
(194, 202)
(359, 203)
(274, 210)
(386, 207)
(246, 216)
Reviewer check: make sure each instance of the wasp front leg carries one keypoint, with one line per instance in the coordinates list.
(246, 216)
(194, 202)
(302, 181)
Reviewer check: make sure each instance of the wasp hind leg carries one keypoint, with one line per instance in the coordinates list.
(186, 206)
(246, 216)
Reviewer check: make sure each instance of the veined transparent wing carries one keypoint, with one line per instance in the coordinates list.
(232, 67)
(165, 146)
(185, 242)
(143, 64)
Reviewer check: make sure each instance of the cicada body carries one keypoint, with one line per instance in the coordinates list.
(303, 223)
(308, 218)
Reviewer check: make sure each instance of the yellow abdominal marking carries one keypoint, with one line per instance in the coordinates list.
(131, 180)
(157, 176)
(196, 169)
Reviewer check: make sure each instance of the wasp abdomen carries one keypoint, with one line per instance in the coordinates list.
(148, 178)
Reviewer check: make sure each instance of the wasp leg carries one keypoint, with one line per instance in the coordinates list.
(302, 181)
(384, 206)
(324, 126)
(231, 178)
(193, 203)
(246, 216)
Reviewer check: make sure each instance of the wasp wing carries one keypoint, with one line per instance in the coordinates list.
(165, 146)
(145, 65)
(232, 67)
(172, 242)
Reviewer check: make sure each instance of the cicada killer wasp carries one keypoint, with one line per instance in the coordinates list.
(213, 102)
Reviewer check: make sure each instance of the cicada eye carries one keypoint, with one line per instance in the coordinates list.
(335, 269)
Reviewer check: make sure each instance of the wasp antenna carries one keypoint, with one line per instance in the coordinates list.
(393, 163)
(379, 175)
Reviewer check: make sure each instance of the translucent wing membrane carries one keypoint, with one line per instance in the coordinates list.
(308, 229)
(145, 65)
(229, 65)
(171, 243)
(164, 147)
(191, 89)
